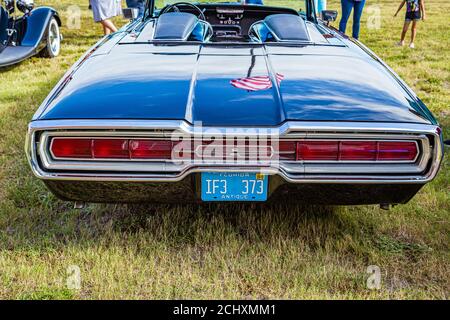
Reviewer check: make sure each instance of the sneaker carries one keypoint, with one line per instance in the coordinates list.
(400, 43)
(411, 45)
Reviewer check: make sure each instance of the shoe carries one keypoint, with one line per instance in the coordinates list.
(411, 45)
(400, 43)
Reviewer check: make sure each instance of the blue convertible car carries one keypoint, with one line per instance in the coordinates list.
(233, 102)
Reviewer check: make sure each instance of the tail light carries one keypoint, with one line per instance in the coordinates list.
(312, 150)
(111, 148)
(287, 150)
(389, 151)
(151, 149)
(72, 148)
(318, 150)
(357, 151)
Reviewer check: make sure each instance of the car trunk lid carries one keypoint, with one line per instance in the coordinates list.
(233, 86)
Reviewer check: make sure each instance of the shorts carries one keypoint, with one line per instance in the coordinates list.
(413, 16)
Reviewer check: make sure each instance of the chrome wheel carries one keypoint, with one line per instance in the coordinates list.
(54, 39)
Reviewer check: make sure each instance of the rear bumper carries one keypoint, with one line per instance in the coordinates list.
(188, 191)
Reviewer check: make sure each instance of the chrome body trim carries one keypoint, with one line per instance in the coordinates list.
(423, 170)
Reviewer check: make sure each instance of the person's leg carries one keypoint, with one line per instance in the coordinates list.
(413, 33)
(404, 31)
(357, 13)
(105, 29)
(347, 6)
(141, 8)
(108, 26)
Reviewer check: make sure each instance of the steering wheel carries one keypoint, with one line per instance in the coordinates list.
(174, 8)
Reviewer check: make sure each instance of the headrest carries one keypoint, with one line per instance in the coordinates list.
(175, 26)
(287, 27)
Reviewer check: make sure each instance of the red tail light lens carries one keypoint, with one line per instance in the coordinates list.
(288, 150)
(358, 151)
(72, 148)
(318, 150)
(150, 149)
(110, 149)
(314, 150)
(397, 151)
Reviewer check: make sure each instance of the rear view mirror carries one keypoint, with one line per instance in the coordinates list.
(329, 16)
(130, 13)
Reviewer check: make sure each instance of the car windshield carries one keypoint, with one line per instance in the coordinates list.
(299, 5)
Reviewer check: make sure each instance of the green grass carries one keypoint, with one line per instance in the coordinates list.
(225, 251)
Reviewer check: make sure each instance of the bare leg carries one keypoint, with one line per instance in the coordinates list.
(108, 26)
(413, 31)
(404, 31)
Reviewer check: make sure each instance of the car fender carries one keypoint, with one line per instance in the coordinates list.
(37, 22)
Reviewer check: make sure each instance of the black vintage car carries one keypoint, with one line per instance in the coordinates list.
(34, 32)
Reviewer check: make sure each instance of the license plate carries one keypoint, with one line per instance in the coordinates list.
(234, 186)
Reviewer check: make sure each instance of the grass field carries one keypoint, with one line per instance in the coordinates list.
(226, 251)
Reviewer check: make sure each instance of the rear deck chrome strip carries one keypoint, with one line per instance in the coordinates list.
(422, 171)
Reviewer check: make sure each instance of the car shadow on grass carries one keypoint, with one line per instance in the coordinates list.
(190, 225)
(57, 224)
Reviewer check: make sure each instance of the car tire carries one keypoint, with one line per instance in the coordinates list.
(53, 40)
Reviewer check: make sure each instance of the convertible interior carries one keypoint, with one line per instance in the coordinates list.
(230, 23)
(17, 26)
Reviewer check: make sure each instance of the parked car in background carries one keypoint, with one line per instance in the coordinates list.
(206, 102)
(36, 31)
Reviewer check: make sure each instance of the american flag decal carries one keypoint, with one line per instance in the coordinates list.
(256, 83)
